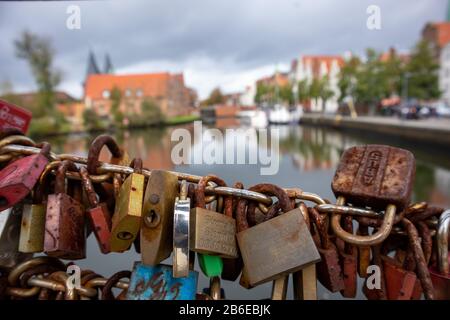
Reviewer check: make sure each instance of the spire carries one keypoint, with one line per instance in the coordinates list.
(108, 65)
(92, 67)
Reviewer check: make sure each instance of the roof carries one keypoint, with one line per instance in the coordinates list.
(385, 56)
(151, 84)
(442, 29)
(316, 62)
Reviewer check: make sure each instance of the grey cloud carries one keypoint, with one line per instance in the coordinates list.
(245, 34)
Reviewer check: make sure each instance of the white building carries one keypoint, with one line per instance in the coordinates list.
(444, 73)
(311, 67)
(247, 97)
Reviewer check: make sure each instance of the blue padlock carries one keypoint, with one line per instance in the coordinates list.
(158, 283)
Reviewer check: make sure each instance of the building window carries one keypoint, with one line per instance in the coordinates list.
(139, 93)
(128, 93)
(106, 94)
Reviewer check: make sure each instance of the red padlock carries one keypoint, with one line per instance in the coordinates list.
(19, 177)
(98, 214)
(14, 117)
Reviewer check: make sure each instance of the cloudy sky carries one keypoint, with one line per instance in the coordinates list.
(227, 43)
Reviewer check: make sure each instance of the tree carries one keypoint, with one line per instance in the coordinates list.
(325, 91)
(303, 90)
(215, 97)
(422, 72)
(38, 53)
(286, 95)
(264, 92)
(348, 77)
(116, 99)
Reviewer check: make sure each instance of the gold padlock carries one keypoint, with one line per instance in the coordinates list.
(157, 226)
(126, 220)
(211, 233)
(279, 246)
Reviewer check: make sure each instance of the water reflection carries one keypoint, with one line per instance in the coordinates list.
(308, 158)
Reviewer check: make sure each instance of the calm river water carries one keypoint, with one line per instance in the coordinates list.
(308, 157)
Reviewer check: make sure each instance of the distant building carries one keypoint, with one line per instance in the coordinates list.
(404, 57)
(92, 66)
(438, 35)
(167, 90)
(444, 73)
(247, 97)
(310, 67)
(277, 80)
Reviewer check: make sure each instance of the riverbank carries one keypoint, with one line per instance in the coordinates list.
(432, 131)
(173, 121)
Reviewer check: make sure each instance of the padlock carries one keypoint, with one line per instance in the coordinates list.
(157, 217)
(65, 222)
(279, 246)
(419, 258)
(212, 234)
(19, 177)
(375, 176)
(97, 213)
(279, 288)
(363, 252)
(348, 256)
(374, 293)
(126, 220)
(400, 282)
(232, 268)
(32, 228)
(157, 283)
(181, 218)
(440, 275)
(9, 237)
(305, 280)
(329, 271)
(14, 117)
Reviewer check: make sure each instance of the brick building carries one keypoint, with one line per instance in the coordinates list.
(167, 90)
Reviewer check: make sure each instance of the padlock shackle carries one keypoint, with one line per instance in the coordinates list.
(376, 238)
(60, 180)
(274, 190)
(442, 240)
(321, 228)
(200, 191)
(17, 139)
(88, 187)
(136, 164)
(95, 148)
(214, 288)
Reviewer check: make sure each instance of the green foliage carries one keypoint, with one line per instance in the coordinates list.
(38, 53)
(116, 99)
(269, 93)
(48, 125)
(215, 97)
(151, 115)
(372, 80)
(92, 122)
(303, 90)
(423, 71)
(181, 119)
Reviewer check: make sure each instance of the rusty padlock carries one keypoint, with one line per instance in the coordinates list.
(329, 271)
(440, 275)
(279, 246)
(232, 268)
(348, 256)
(97, 213)
(65, 221)
(19, 177)
(375, 176)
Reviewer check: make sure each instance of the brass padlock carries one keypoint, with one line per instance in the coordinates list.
(279, 246)
(65, 222)
(211, 233)
(126, 220)
(32, 229)
(157, 217)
